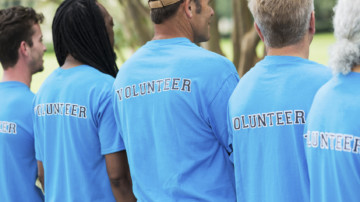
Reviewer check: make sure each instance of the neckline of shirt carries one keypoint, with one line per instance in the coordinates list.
(284, 59)
(354, 75)
(170, 41)
(14, 84)
(74, 68)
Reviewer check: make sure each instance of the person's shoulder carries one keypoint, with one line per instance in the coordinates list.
(137, 57)
(21, 97)
(28, 94)
(98, 80)
(16, 89)
(48, 81)
(319, 70)
(316, 66)
(93, 75)
(211, 61)
(184, 49)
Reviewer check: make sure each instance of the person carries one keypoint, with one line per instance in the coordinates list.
(170, 101)
(21, 56)
(268, 108)
(76, 140)
(332, 133)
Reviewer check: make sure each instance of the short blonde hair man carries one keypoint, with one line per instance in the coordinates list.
(271, 16)
(268, 108)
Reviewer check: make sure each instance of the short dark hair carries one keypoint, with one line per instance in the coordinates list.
(159, 15)
(79, 30)
(16, 26)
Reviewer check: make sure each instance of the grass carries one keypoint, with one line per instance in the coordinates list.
(318, 53)
(320, 47)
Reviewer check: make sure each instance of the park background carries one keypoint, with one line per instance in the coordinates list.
(232, 33)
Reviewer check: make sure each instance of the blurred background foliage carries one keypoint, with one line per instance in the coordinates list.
(232, 33)
(324, 14)
(129, 38)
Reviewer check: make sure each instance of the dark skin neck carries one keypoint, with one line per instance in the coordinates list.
(71, 62)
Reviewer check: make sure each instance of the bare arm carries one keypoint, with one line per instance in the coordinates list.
(41, 174)
(118, 171)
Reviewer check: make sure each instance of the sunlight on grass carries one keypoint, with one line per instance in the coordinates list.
(319, 48)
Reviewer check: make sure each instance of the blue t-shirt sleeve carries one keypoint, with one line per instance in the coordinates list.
(110, 138)
(218, 110)
(230, 132)
(38, 153)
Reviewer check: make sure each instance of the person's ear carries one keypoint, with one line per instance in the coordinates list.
(24, 48)
(259, 31)
(312, 29)
(188, 6)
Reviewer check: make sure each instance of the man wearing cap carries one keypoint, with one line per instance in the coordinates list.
(170, 102)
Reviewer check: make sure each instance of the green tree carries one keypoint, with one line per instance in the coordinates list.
(324, 14)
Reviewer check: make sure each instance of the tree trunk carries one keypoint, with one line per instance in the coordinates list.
(244, 36)
(137, 20)
(248, 56)
(236, 34)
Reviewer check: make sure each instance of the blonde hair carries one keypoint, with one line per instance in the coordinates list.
(345, 53)
(282, 22)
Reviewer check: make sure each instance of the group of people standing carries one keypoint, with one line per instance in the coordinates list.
(175, 122)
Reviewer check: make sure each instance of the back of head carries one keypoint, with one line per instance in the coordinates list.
(79, 30)
(345, 53)
(162, 10)
(16, 26)
(282, 22)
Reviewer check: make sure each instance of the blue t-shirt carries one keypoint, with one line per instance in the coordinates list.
(267, 113)
(74, 127)
(332, 136)
(170, 102)
(18, 168)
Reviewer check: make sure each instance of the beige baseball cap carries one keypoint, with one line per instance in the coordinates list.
(161, 3)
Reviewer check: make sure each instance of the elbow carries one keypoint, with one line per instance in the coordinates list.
(41, 179)
(119, 180)
(41, 173)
